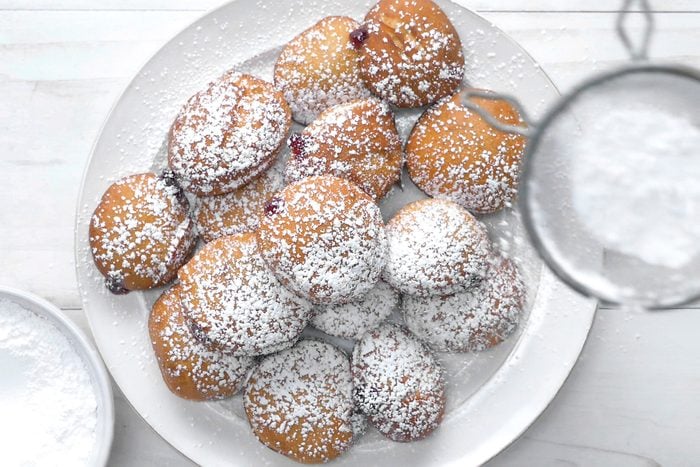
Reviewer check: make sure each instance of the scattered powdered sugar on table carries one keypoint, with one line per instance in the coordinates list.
(635, 183)
(47, 400)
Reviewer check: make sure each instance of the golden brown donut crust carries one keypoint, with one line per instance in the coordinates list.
(398, 383)
(324, 238)
(235, 304)
(357, 141)
(318, 69)
(299, 402)
(474, 320)
(140, 232)
(227, 134)
(453, 153)
(412, 55)
(190, 369)
(238, 211)
(436, 247)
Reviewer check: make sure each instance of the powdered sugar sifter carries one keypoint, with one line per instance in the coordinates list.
(610, 184)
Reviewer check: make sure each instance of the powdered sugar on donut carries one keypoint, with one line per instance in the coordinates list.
(357, 141)
(474, 320)
(182, 358)
(238, 211)
(435, 248)
(417, 57)
(452, 153)
(234, 302)
(227, 134)
(325, 240)
(398, 383)
(303, 395)
(141, 232)
(318, 69)
(352, 320)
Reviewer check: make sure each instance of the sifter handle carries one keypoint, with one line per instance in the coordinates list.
(640, 52)
(523, 130)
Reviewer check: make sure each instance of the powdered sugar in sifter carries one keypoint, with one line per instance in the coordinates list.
(614, 168)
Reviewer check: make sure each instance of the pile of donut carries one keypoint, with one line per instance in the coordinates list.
(292, 236)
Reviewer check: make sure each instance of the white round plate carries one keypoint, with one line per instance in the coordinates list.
(492, 396)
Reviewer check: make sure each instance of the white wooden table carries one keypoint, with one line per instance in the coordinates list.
(634, 397)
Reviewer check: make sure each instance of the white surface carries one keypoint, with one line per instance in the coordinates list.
(485, 401)
(631, 400)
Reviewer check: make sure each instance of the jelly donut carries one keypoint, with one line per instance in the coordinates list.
(435, 248)
(324, 238)
(141, 233)
(352, 320)
(410, 53)
(318, 69)
(238, 211)
(398, 383)
(453, 153)
(227, 134)
(235, 304)
(190, 369)
(357, 141)
(299, 402)
(470, 321)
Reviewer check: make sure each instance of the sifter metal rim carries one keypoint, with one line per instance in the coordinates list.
(525, 191)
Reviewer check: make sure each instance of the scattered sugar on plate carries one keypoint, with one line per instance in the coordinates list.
(48, 406)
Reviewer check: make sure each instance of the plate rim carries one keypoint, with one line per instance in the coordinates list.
(590, 308)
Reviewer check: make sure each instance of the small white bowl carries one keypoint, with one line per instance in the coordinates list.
(100, 378)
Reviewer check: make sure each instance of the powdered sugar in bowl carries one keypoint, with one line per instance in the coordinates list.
(56, 404)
